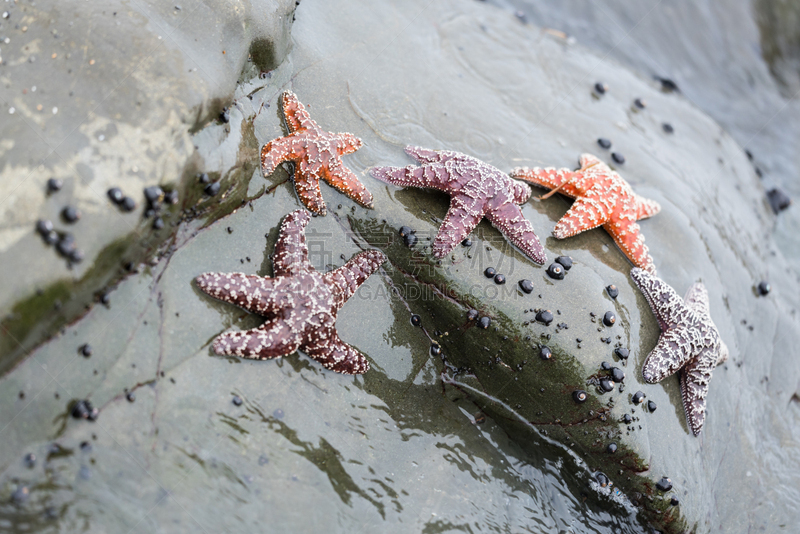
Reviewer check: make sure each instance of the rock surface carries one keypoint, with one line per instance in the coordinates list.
(408, 446)
(100, 94)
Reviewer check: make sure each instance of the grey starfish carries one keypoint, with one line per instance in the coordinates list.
(689, 342)
(300, 304)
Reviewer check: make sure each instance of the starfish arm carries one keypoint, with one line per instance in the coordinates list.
(519, 191)
(334, 354)
(291, 250)
(462, 217)
(628, 237)
(279, 150)
(253, 293)
(426, 155)
(671, 353)
(549, 178)
(589, 211)
(345, 181)
(272, 339)
(346, 280)
(645, 207)
(723, 353)
(667, 306)
(432, 176)
(508, 218)
(695, 378)
(306, 184)
(347, 143)
(697, 299)
(297, 118)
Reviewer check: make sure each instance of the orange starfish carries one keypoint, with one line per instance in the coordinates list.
(317, 154)
(603, 198)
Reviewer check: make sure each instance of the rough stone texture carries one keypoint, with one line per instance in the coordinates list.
(404, 447)
(101, 94)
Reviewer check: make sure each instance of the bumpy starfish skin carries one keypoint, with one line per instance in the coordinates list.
(300, 304)
(476, 190)
(603, 198)
(317, 154)
(689, 341)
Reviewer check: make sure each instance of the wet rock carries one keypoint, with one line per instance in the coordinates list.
(372, 109)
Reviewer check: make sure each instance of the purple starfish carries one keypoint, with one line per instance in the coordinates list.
(300, 304)
(476, 190)
(689, 341)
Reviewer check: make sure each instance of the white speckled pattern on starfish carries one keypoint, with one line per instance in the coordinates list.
(317, 155)
(689, 341)
(476, 190)
(603, 198)
(300, 304)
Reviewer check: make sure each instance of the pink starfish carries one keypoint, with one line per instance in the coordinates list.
(300, 304)
(476, 190)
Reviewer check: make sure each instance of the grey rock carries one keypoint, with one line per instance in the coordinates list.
(400, 444)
